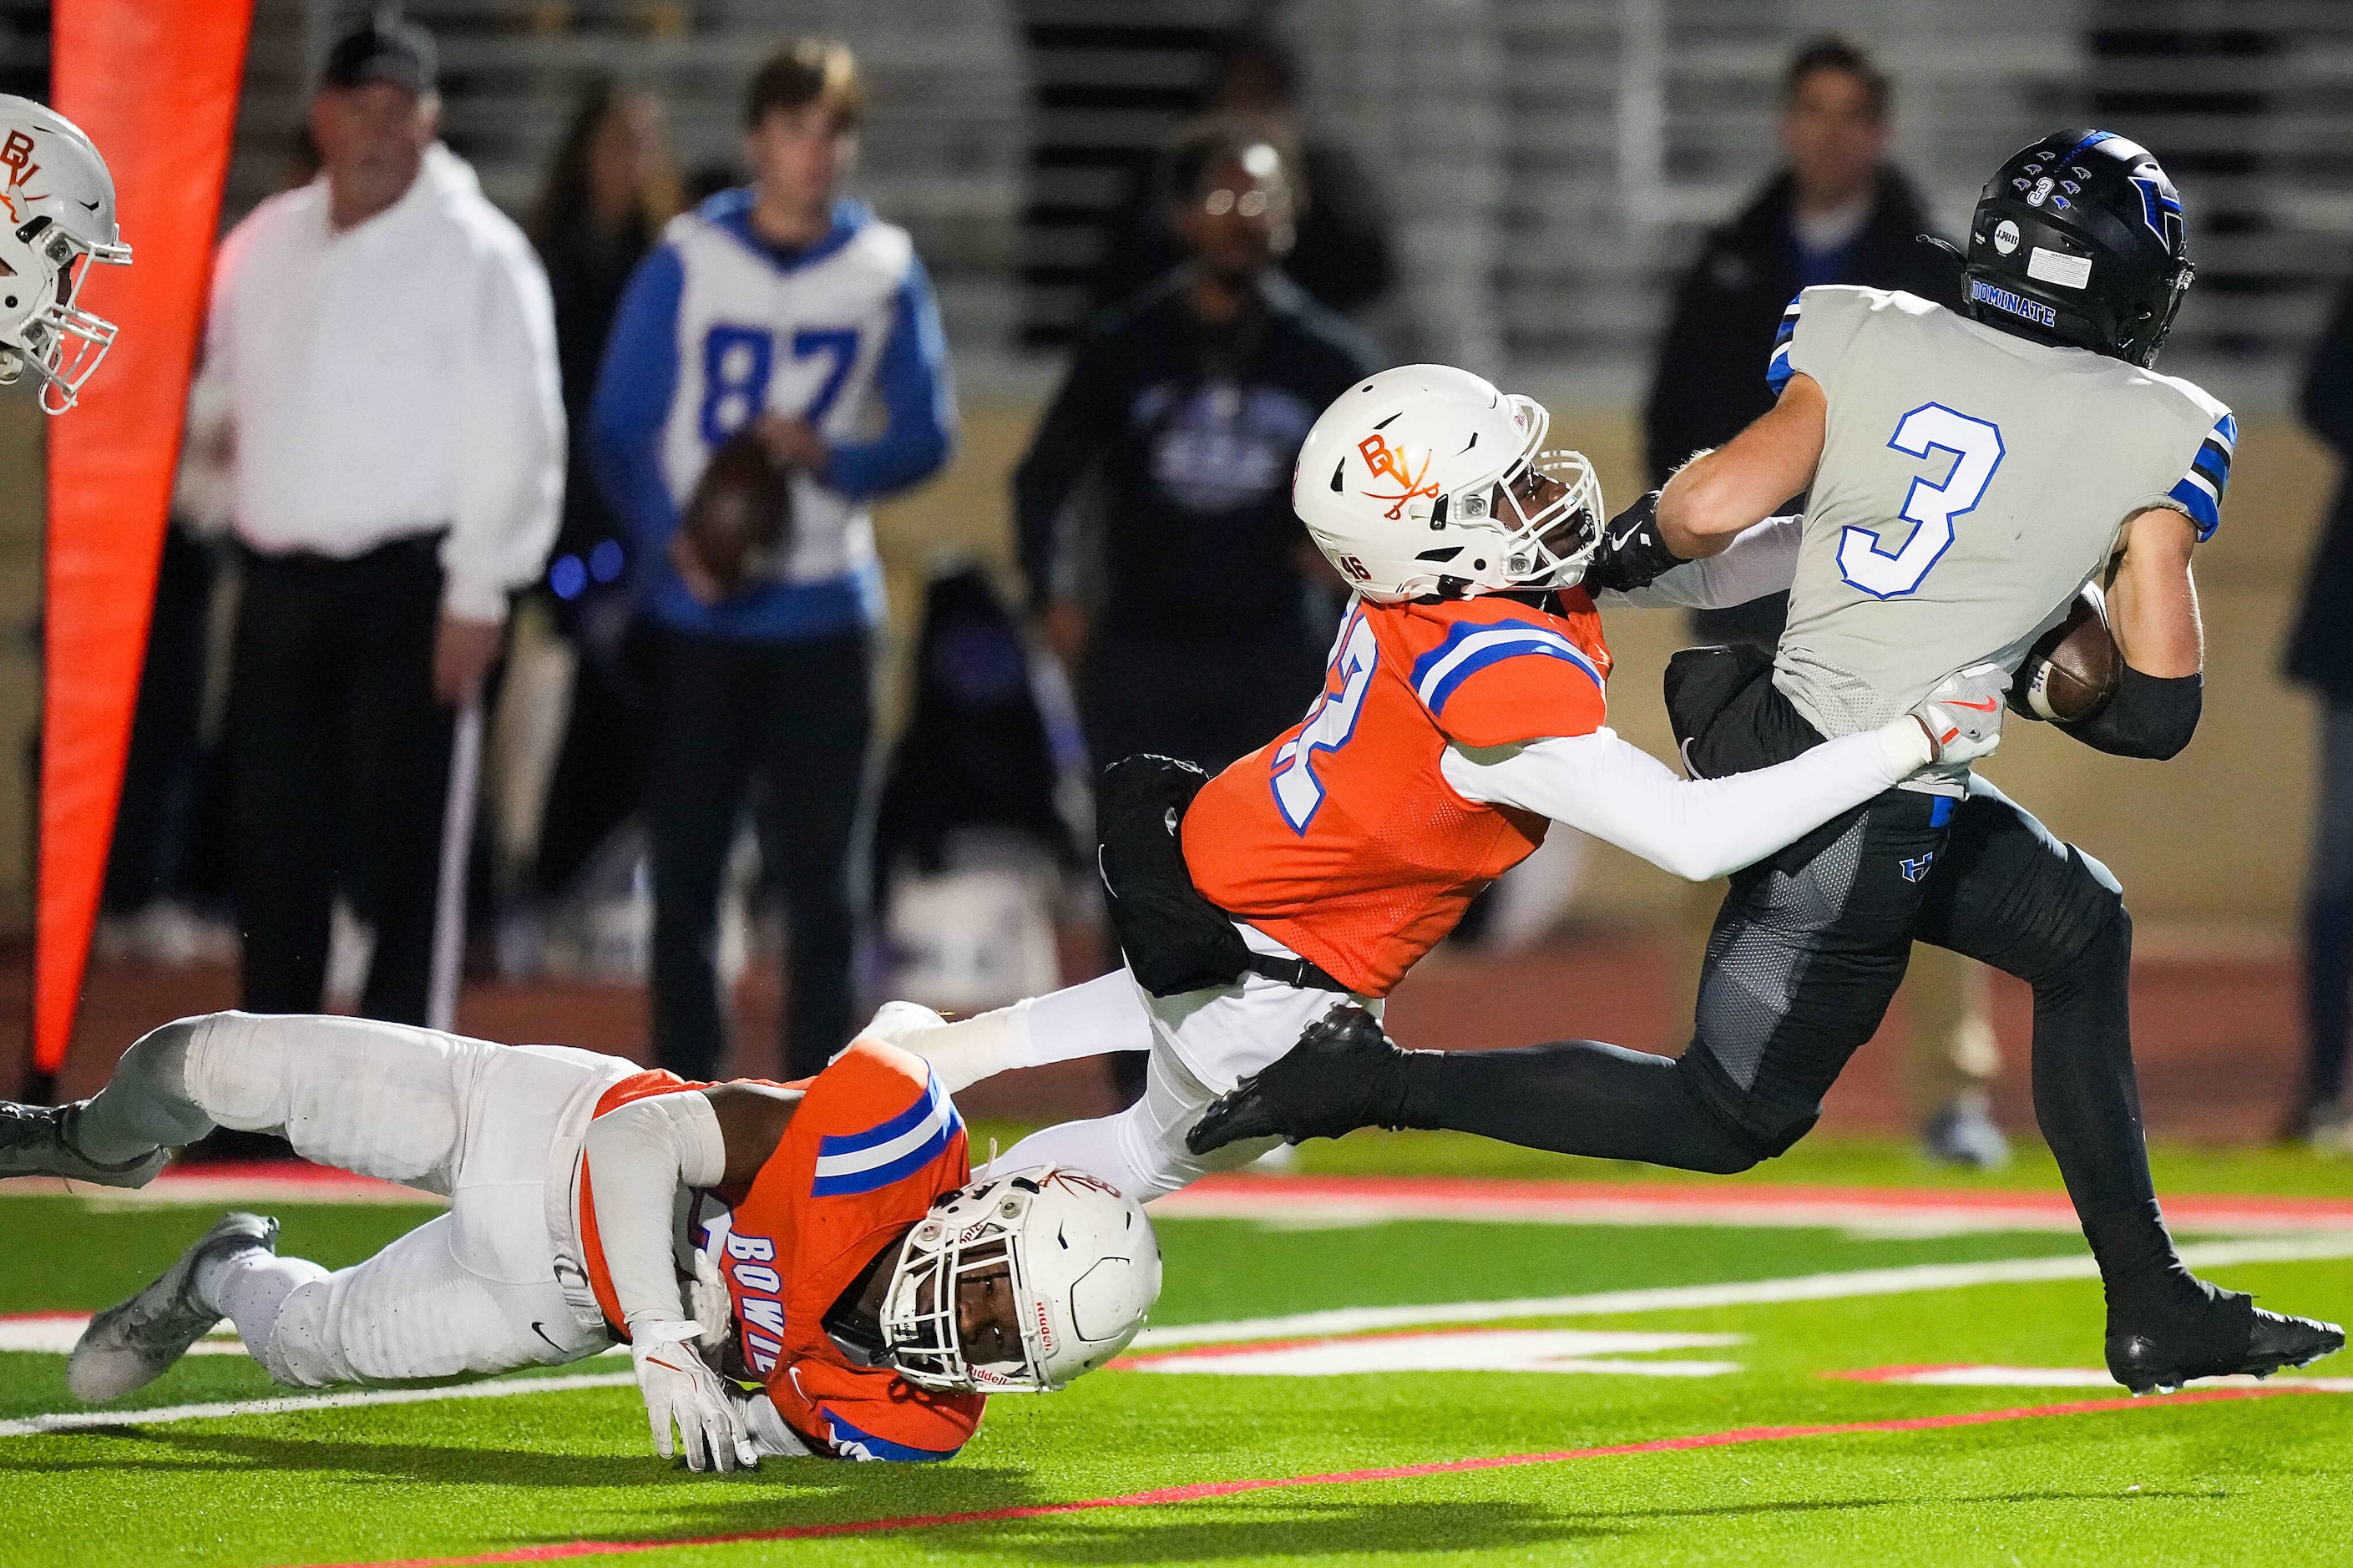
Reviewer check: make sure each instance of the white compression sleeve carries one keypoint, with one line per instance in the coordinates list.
(638, 1155)
(1697, 829)
(1760, 560)
(1105, 1014)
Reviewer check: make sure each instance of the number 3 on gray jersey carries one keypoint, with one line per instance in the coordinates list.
(1976, 449)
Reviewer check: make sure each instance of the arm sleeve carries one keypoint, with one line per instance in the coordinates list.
(2150, 716)
(2199, 493)
(1076, 425)
(511, 448)
(638, 1155)
(635, 386)
(1696, 828)
(918, 402)
(1759, 560)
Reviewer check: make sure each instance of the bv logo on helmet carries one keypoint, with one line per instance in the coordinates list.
(17, 156)
(1387, 464)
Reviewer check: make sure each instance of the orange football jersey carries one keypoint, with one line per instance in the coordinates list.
(874, 1141)
(1341, 840)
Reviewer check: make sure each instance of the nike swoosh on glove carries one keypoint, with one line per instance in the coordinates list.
(681, 1389)
(1631, 554)
(1963, 714)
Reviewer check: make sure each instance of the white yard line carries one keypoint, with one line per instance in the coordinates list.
(1342, 1321)
(82, 1420)
(1739, 1293)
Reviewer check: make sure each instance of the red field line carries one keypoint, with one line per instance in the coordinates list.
(1162, 1497)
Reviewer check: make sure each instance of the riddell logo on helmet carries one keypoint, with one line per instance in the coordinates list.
(1387, 464)
(1045, 1328)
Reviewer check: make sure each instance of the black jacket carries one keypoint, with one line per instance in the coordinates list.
(1711, 376)
(2320, 654)
(1191, 432)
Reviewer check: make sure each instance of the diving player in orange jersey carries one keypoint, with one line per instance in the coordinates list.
(1465, 708)
(841, 1258)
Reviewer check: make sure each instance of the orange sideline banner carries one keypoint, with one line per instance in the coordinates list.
(154, 84)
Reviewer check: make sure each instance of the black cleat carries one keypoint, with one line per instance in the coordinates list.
(2234, 1337)
(1338, 1078)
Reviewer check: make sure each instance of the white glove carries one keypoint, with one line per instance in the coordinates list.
(680, 1386)
(1963, 715)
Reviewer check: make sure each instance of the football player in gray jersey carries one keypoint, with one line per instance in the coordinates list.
(1966, 475)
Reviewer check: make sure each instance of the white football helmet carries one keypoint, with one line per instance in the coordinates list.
(1396, 480)
(58, 201)
(1084, 1266)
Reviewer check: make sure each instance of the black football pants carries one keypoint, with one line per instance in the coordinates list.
(340, 771)
(784, 725)
(1800, 972)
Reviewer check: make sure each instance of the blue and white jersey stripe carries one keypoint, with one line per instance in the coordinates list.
(1776, 368)
(863, 1162)
(1472, 646)
(849, 1443)
(2201, 489)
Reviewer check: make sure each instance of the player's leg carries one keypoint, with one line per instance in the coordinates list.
(474, 1290)
(1203, 1042)
(1799, 974)
(2013, 896)
(819, 722)
(1105, 1014)
(381, 1099)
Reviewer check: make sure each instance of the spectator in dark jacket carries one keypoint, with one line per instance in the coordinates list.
(2320, 656)
(609, 193)
(1200, 636)
(1837, 212)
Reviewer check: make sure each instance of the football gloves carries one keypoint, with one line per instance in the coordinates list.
(681, 1389)
(1963, 715)
(1631, 554)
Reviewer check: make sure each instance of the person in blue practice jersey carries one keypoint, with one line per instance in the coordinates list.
(783, 308)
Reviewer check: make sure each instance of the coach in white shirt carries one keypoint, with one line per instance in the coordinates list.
(388, 349)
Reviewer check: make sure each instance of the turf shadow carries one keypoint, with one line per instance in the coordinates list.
(965, 1487)
(1217, 1531)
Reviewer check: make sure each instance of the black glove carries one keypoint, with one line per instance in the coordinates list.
(1631, 554)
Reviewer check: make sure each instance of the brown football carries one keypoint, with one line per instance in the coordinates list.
(739, 518)
(2072, 669)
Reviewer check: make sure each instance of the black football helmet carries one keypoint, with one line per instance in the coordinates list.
(2079, 241)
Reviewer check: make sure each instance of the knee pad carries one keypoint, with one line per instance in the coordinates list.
(1733, 1129)
(301, 1348)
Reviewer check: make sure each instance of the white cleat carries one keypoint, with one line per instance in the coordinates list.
(38, 1141)
(894, 1021)
(130, 1345)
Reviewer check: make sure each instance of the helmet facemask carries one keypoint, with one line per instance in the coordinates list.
(51, 335)
(922, 1327)
(1550, 512)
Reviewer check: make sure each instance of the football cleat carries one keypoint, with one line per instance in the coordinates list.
(130, 1345)
(2234, 1337)
(38, 1141)
(1344, 1074)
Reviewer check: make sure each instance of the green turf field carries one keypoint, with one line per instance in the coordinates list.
(2252, 1479)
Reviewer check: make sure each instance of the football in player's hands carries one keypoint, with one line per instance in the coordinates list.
(739, 519)
(2072, 669)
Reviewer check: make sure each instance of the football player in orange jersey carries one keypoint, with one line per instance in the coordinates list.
(854, 1293)
(1464, 709)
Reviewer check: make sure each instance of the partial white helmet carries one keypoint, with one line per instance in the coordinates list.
(1083, 1264)
(58, 201)
(1396, 478)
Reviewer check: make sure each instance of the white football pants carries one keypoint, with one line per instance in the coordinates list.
(1202, 1044)
(495, 1129)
